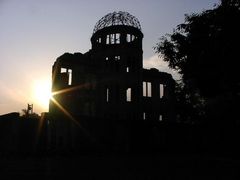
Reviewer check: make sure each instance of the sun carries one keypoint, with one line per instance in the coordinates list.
(42, 93)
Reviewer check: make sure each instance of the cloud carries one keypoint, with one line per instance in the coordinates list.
(158, 63)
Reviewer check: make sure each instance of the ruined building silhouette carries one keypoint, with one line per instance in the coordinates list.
(108, 81)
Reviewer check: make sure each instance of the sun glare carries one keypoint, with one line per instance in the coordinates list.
(42, 93)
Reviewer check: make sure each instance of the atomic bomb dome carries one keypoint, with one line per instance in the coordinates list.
(106, 89)
(117, 18)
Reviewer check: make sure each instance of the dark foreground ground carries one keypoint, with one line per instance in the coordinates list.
(121, 167)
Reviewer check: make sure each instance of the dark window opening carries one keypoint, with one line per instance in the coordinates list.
(117, 58)
(69, 77)
(161, 89)
(112, 38)
(63, 70)
(130, 38)
(160, 117)
(69, 74)
(107, 39)
(144, 116)
(107, 94)
(130, 65)
(147, 89)
(99, 40)
(129, 94)
(117, 40)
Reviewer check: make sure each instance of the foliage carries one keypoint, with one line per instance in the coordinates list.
(205, 49)
(189, 105)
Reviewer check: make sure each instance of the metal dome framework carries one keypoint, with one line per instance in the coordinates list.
(117, 18)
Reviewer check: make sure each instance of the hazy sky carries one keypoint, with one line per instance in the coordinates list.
(35, 32)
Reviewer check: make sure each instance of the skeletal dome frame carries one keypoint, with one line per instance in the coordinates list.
(117, 18)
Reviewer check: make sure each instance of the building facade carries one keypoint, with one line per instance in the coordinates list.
(108, 81)
(105, 95)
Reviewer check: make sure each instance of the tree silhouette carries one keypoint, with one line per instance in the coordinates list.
(205, 51)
